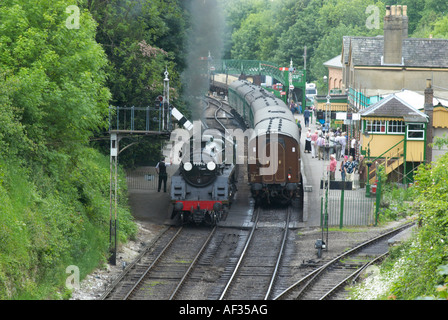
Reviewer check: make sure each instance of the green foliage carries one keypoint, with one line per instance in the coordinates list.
(141, 39)
(54, 189)
(418, 267)
(279, 30)
(57, 73)
(396, 203)
(44, 229)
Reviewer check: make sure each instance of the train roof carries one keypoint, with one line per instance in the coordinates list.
(282, 126)
(270, 113)
(273, 112)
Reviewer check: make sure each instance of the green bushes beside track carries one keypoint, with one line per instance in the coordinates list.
(49, 224)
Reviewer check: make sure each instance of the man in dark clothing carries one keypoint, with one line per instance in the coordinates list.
(306, 116)
(163, 176)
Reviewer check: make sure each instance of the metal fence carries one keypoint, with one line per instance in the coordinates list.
(347, 207)
(146, 178)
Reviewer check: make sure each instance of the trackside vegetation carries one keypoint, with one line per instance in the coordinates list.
(62, 63)
(418, 268)
(54, 187)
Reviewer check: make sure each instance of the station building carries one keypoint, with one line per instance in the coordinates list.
(373, 67)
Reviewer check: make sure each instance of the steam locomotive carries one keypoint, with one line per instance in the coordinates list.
(203, 187)
(274, 158)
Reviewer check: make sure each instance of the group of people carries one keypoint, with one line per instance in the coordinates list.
(333, 145)
(322, 144)
(348, 166)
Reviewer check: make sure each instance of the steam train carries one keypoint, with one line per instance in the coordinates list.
(274, 158)
(203, 187)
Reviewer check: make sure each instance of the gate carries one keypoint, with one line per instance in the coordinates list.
(146, 178)
(347, 207)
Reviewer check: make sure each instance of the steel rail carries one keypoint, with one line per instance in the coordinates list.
(152, 265)
(353, 276)
(280, 255)
(131, 265)
(193, 263)
(224, 292)
(314, 274)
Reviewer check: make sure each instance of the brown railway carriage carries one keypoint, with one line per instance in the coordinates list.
(274, 147)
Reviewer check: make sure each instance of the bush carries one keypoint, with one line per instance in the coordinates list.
(46, 229)
(419, 266)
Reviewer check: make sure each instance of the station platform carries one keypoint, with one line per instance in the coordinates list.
(313, 170)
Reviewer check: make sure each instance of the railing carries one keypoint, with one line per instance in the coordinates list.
(257, 67)
(137, 119)
(390, 161)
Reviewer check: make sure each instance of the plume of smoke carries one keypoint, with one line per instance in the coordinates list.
(205, 35)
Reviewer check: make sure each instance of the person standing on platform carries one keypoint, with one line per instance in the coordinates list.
(314, 137)
(306, 116)
(332, 167)
(163, 176)
(353, 148)
(362, 170)
(350, 166)
(338, 146)
(342, 168)
(300, 128)
(320, 144)
(343, 142)
(308, 141)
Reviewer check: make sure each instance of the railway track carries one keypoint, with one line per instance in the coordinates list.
(255, 271)
(159, 273)
(328, 281)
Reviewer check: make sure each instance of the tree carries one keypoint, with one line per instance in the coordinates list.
(142, 38)
(57, 72)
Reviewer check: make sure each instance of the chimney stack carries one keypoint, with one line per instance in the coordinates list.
(429, 96)
(395, 30)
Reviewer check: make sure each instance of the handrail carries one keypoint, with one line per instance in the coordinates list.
(381, 155)
(385, 161)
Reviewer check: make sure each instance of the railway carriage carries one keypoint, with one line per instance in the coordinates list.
(275, 130)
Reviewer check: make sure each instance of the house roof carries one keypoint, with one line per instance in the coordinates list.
(334, 62)
(395, 107)
(417, 100)
(417, 52)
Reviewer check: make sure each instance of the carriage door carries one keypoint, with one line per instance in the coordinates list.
(277, 175)
(280, 174)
